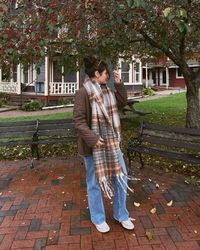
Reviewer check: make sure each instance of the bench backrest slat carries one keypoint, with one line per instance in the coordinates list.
(158, 127)
(17, 124)
(57, 121)
(171, 135)
(171, 143)
(12, 135)
(18, 129)
(58, 132)
(55, 126)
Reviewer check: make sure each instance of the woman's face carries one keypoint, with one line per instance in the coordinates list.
(103, 77)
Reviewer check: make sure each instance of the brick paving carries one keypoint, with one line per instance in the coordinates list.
(46, 208)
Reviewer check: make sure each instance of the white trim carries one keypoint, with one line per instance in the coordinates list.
(190, 66)
(177, 76)
(19, 79)
(46, 81)
(146, 75)
(167, 77)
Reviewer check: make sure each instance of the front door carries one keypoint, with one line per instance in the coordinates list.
(163, 77)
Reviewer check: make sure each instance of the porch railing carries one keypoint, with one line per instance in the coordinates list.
(9, 87)
(59, 88)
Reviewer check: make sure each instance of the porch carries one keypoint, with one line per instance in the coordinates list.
(45, 81)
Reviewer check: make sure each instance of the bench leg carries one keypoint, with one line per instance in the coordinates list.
(141, 161)
(35, 152)
(129, 159)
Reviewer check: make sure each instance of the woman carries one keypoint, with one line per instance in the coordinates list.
(97, 122)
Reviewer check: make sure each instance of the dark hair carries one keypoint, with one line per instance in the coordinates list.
(92, 64)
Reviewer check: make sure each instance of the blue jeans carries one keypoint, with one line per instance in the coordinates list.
(95, 201)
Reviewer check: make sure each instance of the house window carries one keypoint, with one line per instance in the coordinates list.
(125, 71)
(70, 76)
(57, 72)
(9, 75)
(62, 74)
(14, 73)
(6, 75)
(137, 72)
(179, 73)
(25, 73)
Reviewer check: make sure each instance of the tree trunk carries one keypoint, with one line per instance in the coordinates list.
(192, 96)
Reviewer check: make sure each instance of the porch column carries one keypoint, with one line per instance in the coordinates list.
(0, 75)
(19, 79)
(167, 77)
(46, 82)
(146, 71)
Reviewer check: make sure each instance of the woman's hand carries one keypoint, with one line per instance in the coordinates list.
(100, 143)
(116, 76)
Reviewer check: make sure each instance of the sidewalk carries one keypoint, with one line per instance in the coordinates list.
(21, 113)
(46, 208)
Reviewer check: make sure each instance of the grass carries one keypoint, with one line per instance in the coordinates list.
(166, 110)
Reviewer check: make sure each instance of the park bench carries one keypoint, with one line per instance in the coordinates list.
(130, 108)
(182, 144)
(36, 132)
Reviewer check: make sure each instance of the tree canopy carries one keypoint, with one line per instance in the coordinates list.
(31, 29)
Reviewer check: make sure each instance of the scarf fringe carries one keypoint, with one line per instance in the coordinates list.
(126, 183)
(107, 187)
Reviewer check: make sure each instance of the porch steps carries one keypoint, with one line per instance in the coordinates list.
(19, 100)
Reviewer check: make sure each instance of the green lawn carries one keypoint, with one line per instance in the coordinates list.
(166, 110)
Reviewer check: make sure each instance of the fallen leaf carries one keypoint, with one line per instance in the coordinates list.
(153, 210)
(149, 235)
(195, 231)
(60, 177)
(157, 185)
(169, 204)
(136, 204)
(63, 192)
(150, 180)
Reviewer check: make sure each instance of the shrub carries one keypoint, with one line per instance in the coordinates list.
(63, 101)
(32, 106)
(148, 91)
(3, 99)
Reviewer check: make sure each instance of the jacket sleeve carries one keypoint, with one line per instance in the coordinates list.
(121, 95)
(80, 120)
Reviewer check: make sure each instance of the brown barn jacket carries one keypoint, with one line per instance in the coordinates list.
(82, 117)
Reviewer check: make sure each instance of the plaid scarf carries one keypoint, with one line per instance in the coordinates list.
(106, 124)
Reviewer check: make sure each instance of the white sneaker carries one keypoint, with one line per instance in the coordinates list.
(103, 227)
(128, 224)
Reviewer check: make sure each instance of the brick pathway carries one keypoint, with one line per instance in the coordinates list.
(46, 208)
